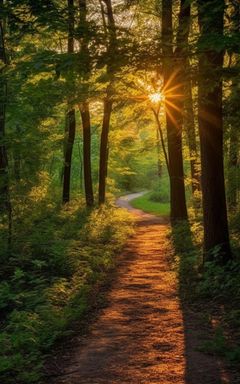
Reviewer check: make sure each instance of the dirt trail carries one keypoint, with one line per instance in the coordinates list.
(142, 336)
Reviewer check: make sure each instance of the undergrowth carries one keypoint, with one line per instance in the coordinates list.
(211, 289)
(57, 258)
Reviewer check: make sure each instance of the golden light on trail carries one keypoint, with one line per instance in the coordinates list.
(156, 97)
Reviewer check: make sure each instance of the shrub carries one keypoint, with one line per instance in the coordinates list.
(56, 261)
(160, 194)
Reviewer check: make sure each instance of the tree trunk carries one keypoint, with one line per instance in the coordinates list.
(71, 129)
(211, 133)
(108, 104)
(84, 107)
(233, 169)
(71, 120)
(191, 134)
(161, 138)
(173, 113)
(5, 202)
(3, 99)
(103, 165)
(85, 115)
(17, 157)
(159, 162)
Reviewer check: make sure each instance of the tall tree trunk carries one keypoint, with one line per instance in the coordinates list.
(191, 134)
(71, 120)
(174, 114)
(108, 104)
(233, 169)
(159, 162)
(85, 115)
(70, 138)
(17, 157)
(5, 202)
(161, 138)
(84, 108)
(81, 167)
(103, 165)
(3, 99)
(211, 13)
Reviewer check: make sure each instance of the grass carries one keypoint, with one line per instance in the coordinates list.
(157, 208)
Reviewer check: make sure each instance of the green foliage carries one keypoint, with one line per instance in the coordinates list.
(219, 345)
(208, 288)
(221, 281)
(146, 204)
(160, 194)
(47, 282)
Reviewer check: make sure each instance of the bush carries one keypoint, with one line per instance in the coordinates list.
(160, 193)
(54, 265)
(211, 287)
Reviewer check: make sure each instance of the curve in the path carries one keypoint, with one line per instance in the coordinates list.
(142, 218)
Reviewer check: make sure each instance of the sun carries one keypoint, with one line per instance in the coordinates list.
(156, 97)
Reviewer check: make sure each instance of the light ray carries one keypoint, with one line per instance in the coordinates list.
(171, 116)
(173, 105)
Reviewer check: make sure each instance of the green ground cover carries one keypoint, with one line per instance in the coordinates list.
(146, 204)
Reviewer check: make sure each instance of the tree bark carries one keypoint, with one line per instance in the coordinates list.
(71, 130)
(103, 164)
(210, 114)
(174, 115)
(159, 162)
(17, 156)
(84, 108)
(71, 120)
(108, 104)
(85, 115)
(233, 169)
(233, 166)
(191, 134)
(3, 100)
(5, 202)
(161, 138)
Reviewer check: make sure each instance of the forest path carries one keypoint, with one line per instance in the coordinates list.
(142, 336)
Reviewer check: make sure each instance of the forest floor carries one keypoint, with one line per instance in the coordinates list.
(143, 335)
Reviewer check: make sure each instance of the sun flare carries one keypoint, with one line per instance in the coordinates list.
(156, 97)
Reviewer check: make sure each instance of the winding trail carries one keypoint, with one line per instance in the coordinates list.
(143, 335)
